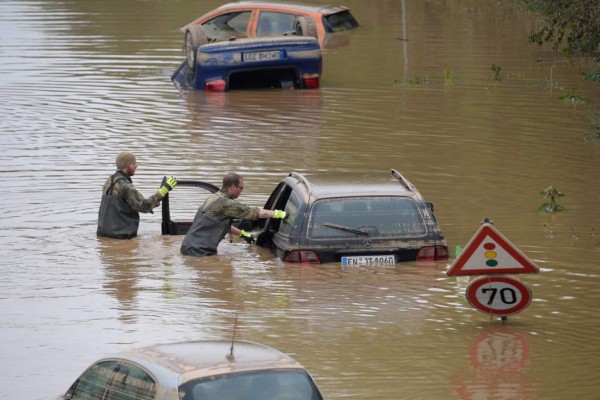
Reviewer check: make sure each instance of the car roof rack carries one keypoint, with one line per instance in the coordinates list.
(302, 179)
(404, 182)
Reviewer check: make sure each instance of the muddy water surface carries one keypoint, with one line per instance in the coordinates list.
(412, 89)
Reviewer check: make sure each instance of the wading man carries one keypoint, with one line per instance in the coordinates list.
(215, 217)
(121, 205)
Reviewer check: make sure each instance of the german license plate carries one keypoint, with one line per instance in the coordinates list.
(368, 260)
(262, 56)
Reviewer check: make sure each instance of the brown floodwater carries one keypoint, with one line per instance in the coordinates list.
(412, 89)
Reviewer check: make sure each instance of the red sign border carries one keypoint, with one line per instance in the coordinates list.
(476, 284)
(483, 232)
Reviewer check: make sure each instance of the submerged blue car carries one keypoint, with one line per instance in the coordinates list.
(260, 63)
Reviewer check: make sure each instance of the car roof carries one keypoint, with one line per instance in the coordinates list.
(198, 359)
(321, 9)
(326, 185)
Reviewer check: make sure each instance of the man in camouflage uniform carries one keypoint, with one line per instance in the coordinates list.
(214, 219)
(121, 203)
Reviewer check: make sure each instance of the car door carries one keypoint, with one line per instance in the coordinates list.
(283, 235)
(170, 224)
(287, 233)
(265, 226)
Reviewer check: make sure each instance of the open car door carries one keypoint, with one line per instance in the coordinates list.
(173, 227)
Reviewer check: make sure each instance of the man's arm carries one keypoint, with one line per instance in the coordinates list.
(137, 201)
(262, 213)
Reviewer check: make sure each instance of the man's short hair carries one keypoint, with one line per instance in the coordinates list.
(231, 179)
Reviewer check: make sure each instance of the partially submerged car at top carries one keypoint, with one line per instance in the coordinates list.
(349, 219)
(261, 45)
(255, 19)
(203, 370)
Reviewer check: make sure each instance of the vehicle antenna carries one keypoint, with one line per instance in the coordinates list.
(230, 356)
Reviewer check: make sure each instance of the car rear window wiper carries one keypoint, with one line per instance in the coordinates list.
(345, 228)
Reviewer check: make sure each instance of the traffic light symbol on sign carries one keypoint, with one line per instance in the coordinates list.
(489, 252)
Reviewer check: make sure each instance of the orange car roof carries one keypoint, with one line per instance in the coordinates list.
(324, 9)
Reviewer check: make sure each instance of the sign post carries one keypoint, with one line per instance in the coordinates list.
(490, 253)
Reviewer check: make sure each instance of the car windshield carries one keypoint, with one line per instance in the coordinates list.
(360, 217)
(339, 22)
(263, 385)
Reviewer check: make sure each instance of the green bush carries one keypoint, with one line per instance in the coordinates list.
(573, 25)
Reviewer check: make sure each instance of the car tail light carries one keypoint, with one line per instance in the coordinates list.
(433, 253)
(218, 85)
(302, 257)
(311, 81)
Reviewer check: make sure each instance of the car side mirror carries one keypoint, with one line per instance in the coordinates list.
(430, 205)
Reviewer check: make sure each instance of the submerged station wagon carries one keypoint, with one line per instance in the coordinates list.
(349, 219)
(353, 220)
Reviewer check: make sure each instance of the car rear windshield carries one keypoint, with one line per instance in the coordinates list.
(389, 217)
(339, 22)
(263, 385)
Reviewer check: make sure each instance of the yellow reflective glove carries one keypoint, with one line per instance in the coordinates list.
(279, 214)
(247, 236)
(167, 185)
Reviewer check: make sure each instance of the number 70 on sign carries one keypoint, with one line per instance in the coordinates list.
(498, 295)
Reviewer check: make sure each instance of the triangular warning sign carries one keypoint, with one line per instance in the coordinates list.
(489, 253)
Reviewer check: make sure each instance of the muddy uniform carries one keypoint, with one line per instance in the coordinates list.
(120, 207)
(212, 222)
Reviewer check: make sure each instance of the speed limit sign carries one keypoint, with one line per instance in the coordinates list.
(498, 295)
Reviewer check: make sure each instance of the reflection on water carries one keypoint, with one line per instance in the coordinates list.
(283, 125)
(498, 358)
(81, 81)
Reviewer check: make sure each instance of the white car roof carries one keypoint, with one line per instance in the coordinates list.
(191, 360)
